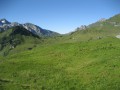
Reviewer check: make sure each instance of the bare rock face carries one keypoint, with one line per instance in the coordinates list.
(5, 25)
(102, 20)
(4, 21)
(82, 27)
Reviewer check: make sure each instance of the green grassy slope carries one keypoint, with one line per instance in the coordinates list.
(83, 60)
(17, 39)
(92, 65)
(110, 27)
(116, 18)
(95, 31)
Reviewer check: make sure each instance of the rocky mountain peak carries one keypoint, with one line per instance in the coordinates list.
(102, 20)
(5, 25)
(82, 27)
(4, 21)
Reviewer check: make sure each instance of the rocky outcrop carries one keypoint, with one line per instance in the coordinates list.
(5, 25)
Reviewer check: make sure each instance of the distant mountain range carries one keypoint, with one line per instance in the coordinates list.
(14, 35)
(5, 25)
(86, 59)
(113, 21)
(100, 29)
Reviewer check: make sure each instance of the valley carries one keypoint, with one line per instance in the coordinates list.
(87, 59)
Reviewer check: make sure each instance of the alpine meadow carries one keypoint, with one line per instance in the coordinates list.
(33, 58)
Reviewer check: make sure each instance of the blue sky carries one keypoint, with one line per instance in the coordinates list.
(62, 16)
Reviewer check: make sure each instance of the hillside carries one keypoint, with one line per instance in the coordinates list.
(90, 65)
(5, 25)
(15, 38)
(95, 31)
(86, 59)
(98, 30)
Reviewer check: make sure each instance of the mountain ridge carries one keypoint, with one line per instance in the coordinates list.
(5, 25)
(17, 36)
(87, 59)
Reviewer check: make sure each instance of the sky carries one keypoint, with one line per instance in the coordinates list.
(62, 16)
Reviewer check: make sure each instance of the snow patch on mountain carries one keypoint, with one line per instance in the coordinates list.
(5, 25)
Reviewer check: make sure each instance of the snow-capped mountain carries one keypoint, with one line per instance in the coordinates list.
(3, 22)
(5, 25)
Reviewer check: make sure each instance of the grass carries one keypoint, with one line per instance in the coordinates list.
(82, 60)
(88, 65)
(16, 40)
